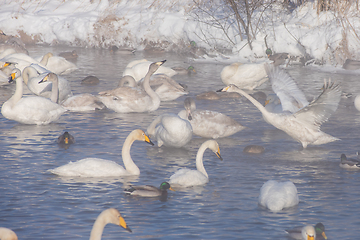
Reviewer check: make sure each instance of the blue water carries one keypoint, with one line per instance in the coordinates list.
(39, 205)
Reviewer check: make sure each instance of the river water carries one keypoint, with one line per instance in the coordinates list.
(39, 205)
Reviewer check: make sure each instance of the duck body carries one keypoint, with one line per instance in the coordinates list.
(186, 177)
(170, 130)
(31, 110)
(245, 76)
(132, 99)
(209, 124)
(96, 167)
(148, 190)
(276, 195)
(349, 162)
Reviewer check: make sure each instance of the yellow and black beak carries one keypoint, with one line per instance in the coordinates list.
(123, 224)
(160, 63)
(147, 139)
(12, 77)
(223, 89)
(218, 154)
(45, 78)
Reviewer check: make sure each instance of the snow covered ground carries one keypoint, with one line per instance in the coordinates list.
(328, 37)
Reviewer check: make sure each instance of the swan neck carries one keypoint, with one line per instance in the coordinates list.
(18, 91)
(129, 164)
(45, 59)
(254, 101)
(55, 91)
(199, 160)
(153, 95)
(28, 73)
(98, 228)
(151, 129)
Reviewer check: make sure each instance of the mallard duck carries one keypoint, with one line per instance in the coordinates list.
(351, 64)
(7, 234)
(277, 58)
(256, 149)
(97, 167)
(209, 124)
(90, 80)
(148, 190)
(33, 109)
(65, 139)
(187, 177)
(276, 195)
(349, 162)
(183, 71)
(303, 125)
(110, 215)
(69, 55)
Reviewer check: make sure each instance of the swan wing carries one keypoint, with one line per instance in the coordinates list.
(321, 108)
(291, 97)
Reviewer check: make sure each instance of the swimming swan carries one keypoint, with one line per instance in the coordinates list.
(186, 177)
(306, 232)
(7, 234)
(139, 68)
(32, 109)
(276, 195)
(148, 190)
(128, 99)
(244, 75)
(170, 130)
(57, 64)
(209, 124)
(303, 125)
(96, 167)
(110, 215)
(82, 103)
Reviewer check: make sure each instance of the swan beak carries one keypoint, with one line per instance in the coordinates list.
(12, 77)
(147, 139)
(160, 63)
(122, 223)
(170, 188)
(324, 235)
(5, 65)
(45, 78)
(223, 89)
(218, 154)
(267, 102)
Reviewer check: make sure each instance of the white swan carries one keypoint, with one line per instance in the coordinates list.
(21, 60)
(307, 232)
(290, 96)
(128, 99)
(276, 195)
(244, 75)
(7, 234)
(165, 87)
(96, 167)
(57, 64)
(186, 177)
(33, 73)
(209, 124)
(33, 109)
(170, 130)
(138, 69)
(304, 233)
(303, 125)
(82, 103)
(110, 215)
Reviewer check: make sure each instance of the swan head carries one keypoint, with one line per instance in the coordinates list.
(52, 77)
(15, 73)
(164, 186)
(320, 230)
(113, 216)
(189, 105)
(139, 134)
(214, 146)
(229, 88)
(155, 66)
(308, 233)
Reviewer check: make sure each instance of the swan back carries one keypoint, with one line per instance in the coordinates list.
(110, 215)
(7, 234)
